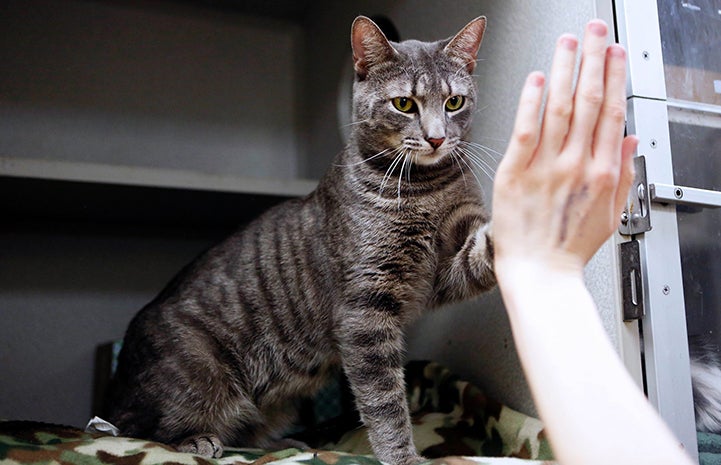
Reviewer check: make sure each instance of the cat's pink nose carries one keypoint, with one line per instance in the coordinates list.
(435, 142)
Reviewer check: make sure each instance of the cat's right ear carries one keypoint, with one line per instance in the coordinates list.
(464, 46)
(370, 46)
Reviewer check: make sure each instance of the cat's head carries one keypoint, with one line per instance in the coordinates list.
(413, 97)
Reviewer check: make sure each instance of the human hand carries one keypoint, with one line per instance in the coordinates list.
(562, 184)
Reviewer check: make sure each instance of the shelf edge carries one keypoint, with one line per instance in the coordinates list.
(150, 177)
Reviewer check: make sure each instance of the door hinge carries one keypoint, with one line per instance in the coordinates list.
(631, 283)
(635, 218)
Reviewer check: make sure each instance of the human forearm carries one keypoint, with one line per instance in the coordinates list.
(593, 413)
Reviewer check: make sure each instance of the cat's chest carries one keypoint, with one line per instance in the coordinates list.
(399, 236)
(395, 222)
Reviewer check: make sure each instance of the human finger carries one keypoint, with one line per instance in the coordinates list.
(526, 128)
(559, 104)
(609, 130)
(589, 89)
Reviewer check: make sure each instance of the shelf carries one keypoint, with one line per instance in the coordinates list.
(150, 177)
(67, 191)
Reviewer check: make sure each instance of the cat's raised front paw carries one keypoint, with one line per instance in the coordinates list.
(207, 445)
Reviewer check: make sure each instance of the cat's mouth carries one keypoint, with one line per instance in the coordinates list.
(425, 152)
(432, 151)
(467, 156)
(431, 158)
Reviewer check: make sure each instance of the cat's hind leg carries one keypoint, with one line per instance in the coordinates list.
(207, 445)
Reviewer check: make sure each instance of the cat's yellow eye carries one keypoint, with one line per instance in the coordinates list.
(404, 104)
(455, 103)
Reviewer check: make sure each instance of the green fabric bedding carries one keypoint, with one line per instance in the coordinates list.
(454, 423)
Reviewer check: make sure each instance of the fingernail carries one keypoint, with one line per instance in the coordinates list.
(568, 41)
(598, 27)
(617, 50)
(536, 79)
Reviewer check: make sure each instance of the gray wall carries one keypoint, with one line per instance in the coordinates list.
(152, 85)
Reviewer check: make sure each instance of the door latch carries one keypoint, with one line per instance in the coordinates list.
(631, 283)
(635, 218)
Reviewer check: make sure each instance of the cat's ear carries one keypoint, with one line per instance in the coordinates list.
(465, 45)
(370, 46)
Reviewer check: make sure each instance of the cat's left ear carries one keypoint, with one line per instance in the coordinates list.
(370, 46)
(465, 45)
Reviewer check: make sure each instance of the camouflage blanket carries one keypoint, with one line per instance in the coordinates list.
(454, 424)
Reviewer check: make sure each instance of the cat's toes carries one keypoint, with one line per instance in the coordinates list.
(207, 445)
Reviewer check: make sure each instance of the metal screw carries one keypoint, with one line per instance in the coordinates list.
(624, 217)
(678, 193)
(654, 143)
(646, 55)
(641, 192)
(666, 290)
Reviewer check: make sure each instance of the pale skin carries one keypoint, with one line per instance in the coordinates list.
(558, 195)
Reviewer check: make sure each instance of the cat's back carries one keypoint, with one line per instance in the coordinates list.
(244, 272)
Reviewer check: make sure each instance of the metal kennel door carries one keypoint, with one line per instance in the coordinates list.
(674, 107)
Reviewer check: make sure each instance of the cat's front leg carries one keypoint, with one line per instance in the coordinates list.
(371, 342)
(466, 269)
(208, 445)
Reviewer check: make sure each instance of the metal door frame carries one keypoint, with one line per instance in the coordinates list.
(667, 372)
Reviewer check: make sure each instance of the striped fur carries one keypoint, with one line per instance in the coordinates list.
(325, 282)
(706, 383)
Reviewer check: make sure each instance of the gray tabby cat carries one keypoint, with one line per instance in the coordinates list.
(329, 280)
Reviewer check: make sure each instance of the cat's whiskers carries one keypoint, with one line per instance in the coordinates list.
(410, 159)
(355, 123)
(462, 158)
(400, 175)
(455, 157)
(403, 157)
(482, 151)
(494, 139)
(379, 154)
(389, 172)
(479, 110)
(406, 71)
(480, 161)
(465, 65)
(413, 159)
(481, 156)
(495, 155)
(477, 161)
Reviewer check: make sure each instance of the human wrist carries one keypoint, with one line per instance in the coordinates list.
(509, 267)
(546, 301)
(523, 280)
